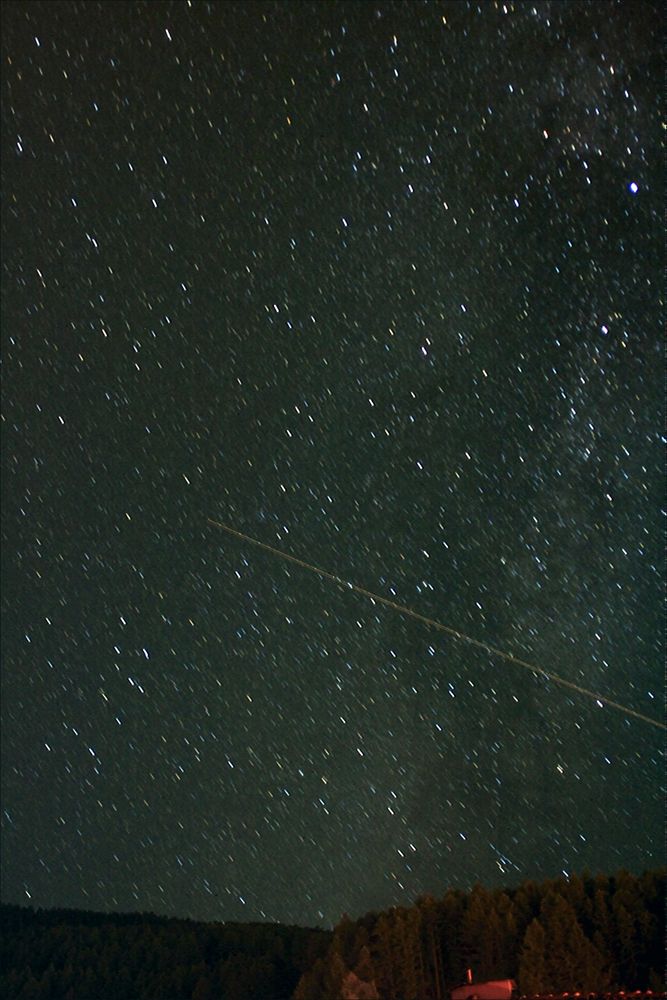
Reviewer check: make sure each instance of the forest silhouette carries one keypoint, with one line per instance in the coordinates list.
(592, 935)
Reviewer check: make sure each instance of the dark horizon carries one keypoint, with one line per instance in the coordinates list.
(452, 887)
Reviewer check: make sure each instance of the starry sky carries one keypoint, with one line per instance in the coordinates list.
(379, 285)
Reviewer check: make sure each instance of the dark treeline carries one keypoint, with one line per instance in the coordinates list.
(78, 955)
(591, 934)
(588, 934)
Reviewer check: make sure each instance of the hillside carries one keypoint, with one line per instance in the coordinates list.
(588, 934)
(80, 955)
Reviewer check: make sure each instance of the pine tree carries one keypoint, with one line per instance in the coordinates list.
(573, 963)
(410, 951)
(382, 953)
(636, 928)
(345, 934)
(452, 909)
(603, 934)
(334, 974)
(509, 942)
(626, 945)
(532, 960)
(482, 935)
(431, 921)
(364, 965)
(311, 984)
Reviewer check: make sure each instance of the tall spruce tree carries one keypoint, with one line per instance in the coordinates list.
(382, 953)
(573, 963)
(482, 935)
(411, 957)
(532, 960)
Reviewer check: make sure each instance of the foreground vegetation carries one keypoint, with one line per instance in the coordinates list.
(79, 955)
(583, 934)
(590, 934)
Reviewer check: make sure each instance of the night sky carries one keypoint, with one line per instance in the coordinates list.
(378, 284)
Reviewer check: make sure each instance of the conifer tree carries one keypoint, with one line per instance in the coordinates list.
(532, 960)
(603, 933)
(509, 941)
(334, 974)
(382, 952)
(364, 965)
(311, 984)
(482, 935)
(431, 921)
(410, 952)
(452, 909)
(572, 961)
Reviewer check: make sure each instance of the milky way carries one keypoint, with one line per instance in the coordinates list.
(378, 285)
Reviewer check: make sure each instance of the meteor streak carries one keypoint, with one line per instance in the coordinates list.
(601, 699)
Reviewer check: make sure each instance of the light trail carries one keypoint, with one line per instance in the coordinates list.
(601, 699)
